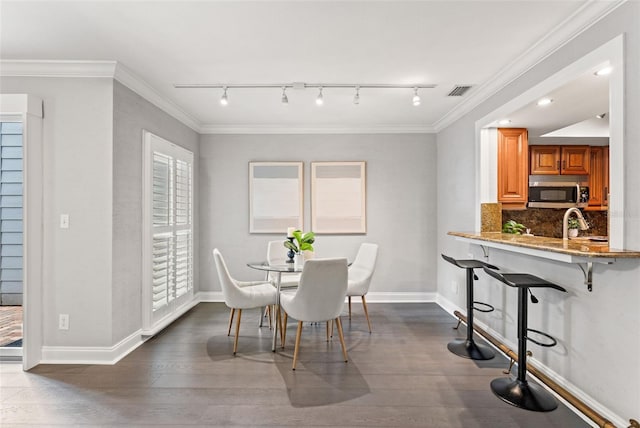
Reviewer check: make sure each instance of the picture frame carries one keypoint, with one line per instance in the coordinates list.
(276, 200)
(338, 197)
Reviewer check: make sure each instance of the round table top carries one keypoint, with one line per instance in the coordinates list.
(283, 267)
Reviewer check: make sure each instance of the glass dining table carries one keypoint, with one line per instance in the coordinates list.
(278, 269)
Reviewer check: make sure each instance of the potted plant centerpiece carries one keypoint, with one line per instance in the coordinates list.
(301, 244)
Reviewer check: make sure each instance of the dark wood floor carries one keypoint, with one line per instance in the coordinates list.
(401, 375)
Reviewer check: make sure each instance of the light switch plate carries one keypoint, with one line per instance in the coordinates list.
(64, 221)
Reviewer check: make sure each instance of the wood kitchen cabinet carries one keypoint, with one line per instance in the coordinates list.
(598, 177)
(513, 167)
(556, 160)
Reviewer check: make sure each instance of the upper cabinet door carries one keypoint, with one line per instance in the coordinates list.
(575, 160)
(513, 174)
(555, 160)
(545, 160)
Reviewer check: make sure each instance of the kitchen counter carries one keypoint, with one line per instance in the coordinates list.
(581, 251)
(582, 247)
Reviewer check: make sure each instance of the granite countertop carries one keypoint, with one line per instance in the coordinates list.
(575, 247)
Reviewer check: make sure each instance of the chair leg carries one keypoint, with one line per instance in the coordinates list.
(269, 314)
(297, 347)
(366, 312)
(327, 331)
(235, 342)
(344, 347)
(284, 329)
(233, 311)
(349, 308)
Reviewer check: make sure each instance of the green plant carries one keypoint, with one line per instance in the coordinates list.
(513, 227)
(302, 242)
(573, 223)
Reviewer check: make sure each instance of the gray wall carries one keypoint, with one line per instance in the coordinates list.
(132, 114)
(77, 141)
(401, 195)
(598, 332)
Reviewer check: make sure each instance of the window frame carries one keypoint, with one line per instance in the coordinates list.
(153, 320)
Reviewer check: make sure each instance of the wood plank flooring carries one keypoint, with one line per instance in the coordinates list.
(402, 375)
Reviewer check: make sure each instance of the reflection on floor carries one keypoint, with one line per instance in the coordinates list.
(401, 375)
(10, 324)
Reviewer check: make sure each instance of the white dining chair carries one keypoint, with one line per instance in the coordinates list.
(360, 273)
(319, 297)
(239, 295)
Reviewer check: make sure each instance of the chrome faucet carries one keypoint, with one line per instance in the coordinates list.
(565, 221)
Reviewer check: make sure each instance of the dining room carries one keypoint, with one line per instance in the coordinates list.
(157, 133)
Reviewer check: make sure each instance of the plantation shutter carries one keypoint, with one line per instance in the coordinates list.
(170, 219)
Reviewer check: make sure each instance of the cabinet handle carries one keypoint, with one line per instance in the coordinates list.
(564, 164)
(606, 194)
(558, 166)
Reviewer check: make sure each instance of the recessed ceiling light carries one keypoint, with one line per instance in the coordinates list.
(604, 71)
(544, 101)
(504, 122)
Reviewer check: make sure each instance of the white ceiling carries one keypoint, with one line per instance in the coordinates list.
(163, 43)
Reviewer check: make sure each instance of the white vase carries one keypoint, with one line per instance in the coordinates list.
(573, 233)
(298, 260)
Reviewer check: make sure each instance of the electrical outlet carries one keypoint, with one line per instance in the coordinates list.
(454, 287)
(63, 322)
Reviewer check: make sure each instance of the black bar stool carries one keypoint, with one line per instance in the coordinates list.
(467, 348)
(519, 392)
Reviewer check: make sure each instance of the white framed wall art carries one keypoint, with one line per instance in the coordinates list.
(338, 197)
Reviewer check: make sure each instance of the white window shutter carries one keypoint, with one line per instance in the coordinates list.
(169, 220)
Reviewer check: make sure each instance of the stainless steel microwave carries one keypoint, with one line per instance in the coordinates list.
(558, 191)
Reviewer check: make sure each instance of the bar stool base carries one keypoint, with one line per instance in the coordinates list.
(470, 349)
(523, 394)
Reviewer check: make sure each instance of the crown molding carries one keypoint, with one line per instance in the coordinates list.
(585, 17)
(97, 69)
(331, 129)
(138, 85)
(54, 68)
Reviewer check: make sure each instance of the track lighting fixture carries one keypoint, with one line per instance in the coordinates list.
(224, 100)
(416, 97)
(295, 86)
(320, 98)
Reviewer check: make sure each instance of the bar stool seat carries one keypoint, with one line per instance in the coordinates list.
(520, 392)
(468, 348)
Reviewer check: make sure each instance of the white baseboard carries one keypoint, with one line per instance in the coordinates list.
(373, 297)
(91, 354)
(450, 307)
(400, 297)
(210, 296)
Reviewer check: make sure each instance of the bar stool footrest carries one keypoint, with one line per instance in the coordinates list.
(488, 308)
(524, 395)
(553, 342)
(470, 349)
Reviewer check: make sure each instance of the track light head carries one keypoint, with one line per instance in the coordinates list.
(320, 98)
(416, 97)
(224, 100)
(356, 97)
(285, 99)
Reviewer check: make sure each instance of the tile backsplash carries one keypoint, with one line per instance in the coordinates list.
(548, 221)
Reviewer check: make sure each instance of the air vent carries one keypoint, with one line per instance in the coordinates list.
(458, 91)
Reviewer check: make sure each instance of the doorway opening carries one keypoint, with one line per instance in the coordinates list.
(11, 234)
